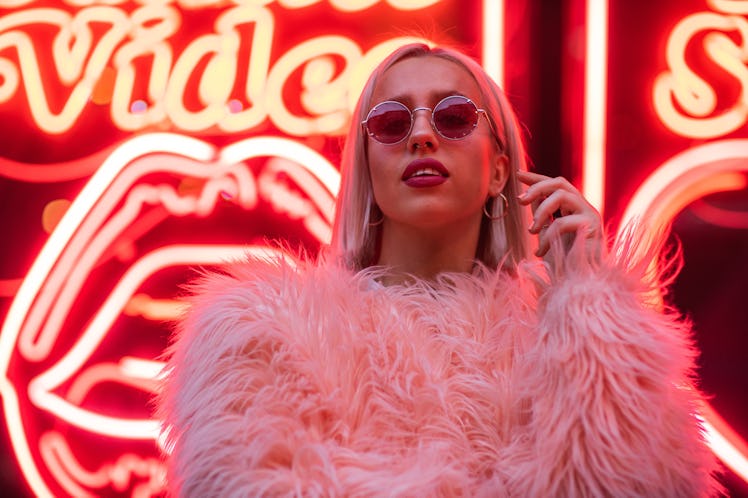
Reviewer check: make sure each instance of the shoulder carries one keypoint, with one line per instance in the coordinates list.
(265, 303)
(254, 285)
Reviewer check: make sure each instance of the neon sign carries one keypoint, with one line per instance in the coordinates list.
(688, 106)
(685, 101)
(71, 336)
(76, 364)
(118, 194)
(85, 61)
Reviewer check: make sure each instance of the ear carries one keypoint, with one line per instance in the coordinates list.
(499, 175)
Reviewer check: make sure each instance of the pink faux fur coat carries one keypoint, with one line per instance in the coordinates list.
(318, 382)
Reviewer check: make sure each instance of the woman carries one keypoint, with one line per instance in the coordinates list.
(428, 354)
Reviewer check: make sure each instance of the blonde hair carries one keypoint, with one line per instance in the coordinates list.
(502, 241)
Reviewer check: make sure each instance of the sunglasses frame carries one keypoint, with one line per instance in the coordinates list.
(412, 113)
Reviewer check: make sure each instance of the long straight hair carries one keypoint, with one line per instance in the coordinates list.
(504, 241)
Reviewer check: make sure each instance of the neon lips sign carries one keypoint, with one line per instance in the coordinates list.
(78, 344)
(121, 192)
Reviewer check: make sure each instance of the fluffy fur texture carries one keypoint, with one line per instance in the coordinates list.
(317, 382)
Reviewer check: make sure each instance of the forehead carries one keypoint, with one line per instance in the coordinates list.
(422, 81)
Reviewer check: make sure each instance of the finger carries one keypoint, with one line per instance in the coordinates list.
(530, 178)
(566, 225)
(545, 187)
(560, 202)
(573, 224)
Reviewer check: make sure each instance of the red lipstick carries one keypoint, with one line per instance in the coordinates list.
(425, 172)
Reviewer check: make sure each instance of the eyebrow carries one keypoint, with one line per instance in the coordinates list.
(434, 97)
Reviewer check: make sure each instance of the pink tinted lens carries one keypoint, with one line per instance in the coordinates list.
(455, 117)
(389, 122)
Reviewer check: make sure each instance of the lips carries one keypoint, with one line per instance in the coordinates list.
(78, 353)
(426, 172)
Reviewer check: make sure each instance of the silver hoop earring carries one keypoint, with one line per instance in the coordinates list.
(504, 208)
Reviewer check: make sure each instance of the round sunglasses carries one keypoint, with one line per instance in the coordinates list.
(453, 118)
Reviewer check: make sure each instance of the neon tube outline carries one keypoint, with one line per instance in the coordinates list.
(64, 231)
(673, 185)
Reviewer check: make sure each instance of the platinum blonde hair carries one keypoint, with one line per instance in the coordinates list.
(503, 241)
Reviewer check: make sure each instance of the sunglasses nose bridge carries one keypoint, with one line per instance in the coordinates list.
(429, 123)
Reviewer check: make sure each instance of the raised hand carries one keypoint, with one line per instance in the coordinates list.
(559, 209)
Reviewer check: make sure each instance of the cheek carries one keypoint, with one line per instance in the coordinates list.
(381, 164)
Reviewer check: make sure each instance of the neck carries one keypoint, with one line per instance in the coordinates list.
(425, 253)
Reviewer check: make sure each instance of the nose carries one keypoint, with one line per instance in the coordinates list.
(422, 135)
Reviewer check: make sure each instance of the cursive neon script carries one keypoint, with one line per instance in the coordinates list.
(102, 44)
(684, 101)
